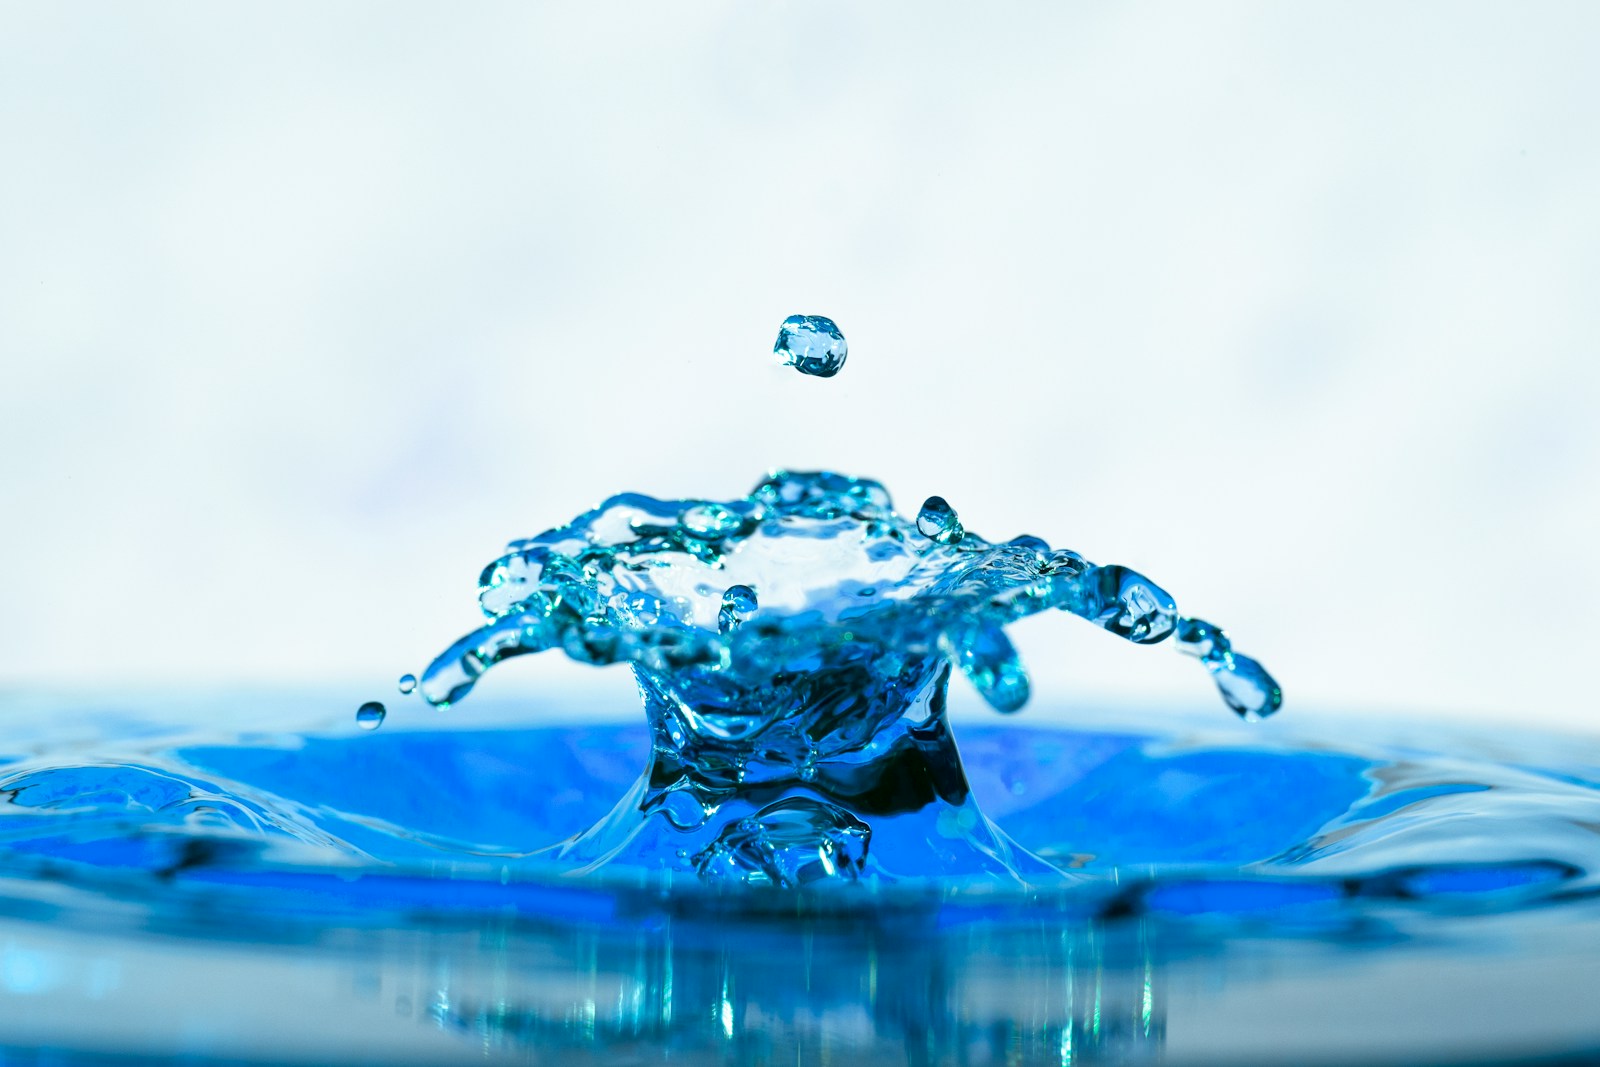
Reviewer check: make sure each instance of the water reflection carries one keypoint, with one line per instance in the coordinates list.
(811, 992)
(922, 987)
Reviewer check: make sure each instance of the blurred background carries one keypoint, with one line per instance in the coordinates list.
(306, 309)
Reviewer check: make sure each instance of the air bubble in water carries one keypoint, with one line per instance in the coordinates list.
(370, 715)
(811, 344)
(938, 520)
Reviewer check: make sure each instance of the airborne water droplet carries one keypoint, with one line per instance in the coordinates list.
(1246, 686)
(938, 520)
(370, 715)
(1123, 601)
(1203, 639)
(408, 683)
(738, 604)
(989, 660)
(811, 344)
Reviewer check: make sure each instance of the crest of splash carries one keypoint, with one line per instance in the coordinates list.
(792, 648)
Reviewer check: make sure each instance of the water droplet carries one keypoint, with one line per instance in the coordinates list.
(707, 521)
(811, 344)
(1064, 561)
(1246, 686)
(639, 609)
(989, 660)
(370, 715)
(1037, 545)
(1124, 602)
(788, 843)
(408, 683)
(1203, 639)
(738, 604)
(938, 520)
(682, 808)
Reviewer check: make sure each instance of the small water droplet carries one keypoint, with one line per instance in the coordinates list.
(1064, 561)
(1125, 602)
(790, 843)
(1203, 639)
(1246, 686)
(370, 715)
(710, 520)
(938, 520)
(811, 344)
(989, 660)
(1029, 543)
(738, 604)
(408, 683)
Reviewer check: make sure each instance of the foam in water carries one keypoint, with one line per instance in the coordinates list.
(792, 647)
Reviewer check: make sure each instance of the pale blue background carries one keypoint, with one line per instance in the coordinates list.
(305, 309)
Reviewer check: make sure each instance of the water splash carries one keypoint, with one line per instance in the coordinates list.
(793, 646)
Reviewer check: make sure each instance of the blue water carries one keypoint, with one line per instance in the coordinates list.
(1147, 823)
(388, 888)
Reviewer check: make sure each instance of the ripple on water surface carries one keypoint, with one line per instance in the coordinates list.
(1153, 823)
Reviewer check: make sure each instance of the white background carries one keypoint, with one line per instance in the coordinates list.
(304, 310)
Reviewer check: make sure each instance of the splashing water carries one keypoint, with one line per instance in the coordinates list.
(793, 648)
